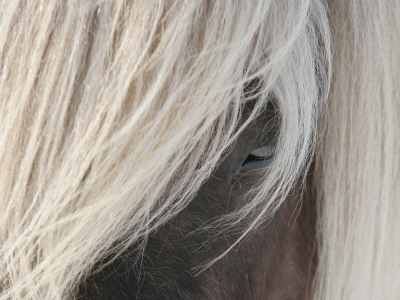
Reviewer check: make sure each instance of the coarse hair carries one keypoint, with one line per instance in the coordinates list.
(113, 114)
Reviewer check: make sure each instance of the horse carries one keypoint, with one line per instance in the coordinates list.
(199, 149)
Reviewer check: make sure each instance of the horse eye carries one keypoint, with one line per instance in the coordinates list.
(257, 159)
(266, 152)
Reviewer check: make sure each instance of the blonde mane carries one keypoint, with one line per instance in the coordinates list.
(113, 114)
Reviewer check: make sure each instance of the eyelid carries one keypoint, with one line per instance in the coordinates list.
(258, 159)
(264, 152)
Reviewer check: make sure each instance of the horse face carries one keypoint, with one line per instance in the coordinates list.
(274, 262)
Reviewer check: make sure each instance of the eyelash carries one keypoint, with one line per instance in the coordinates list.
(262, 153)
(253, 161)
(257, 159)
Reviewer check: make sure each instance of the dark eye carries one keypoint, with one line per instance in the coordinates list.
(263, 153)
(257, 159)
(262, 138)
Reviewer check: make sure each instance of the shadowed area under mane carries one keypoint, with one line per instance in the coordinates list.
(277, 261)
(274, 262)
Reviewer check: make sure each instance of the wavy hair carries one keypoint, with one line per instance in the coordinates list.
(113, 114)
